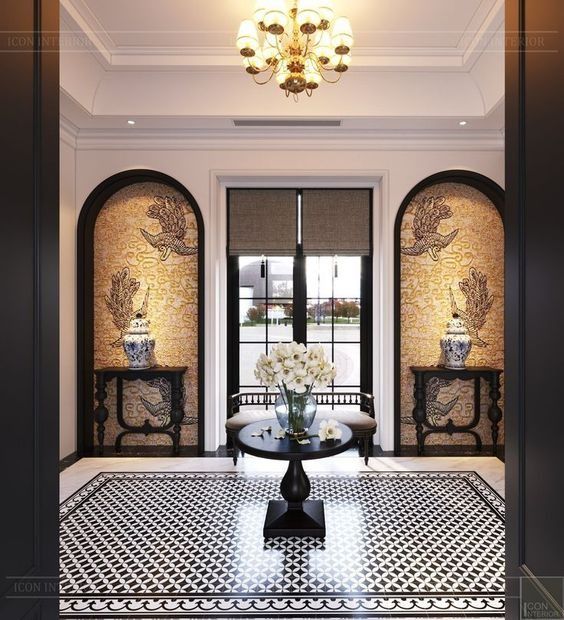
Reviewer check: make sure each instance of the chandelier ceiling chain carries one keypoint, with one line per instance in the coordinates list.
(301, 47)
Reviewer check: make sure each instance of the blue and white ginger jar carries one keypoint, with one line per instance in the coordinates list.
(138, 344)
(456, 344)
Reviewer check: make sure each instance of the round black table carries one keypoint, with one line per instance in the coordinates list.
(294, 516)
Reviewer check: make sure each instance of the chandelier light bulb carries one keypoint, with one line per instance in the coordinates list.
(308, 16)
(261, 7)
(324, 49)
(247, 38)
(325, 8)
(341, 62)
(342, 36)
(312, 75)
(275, 16)
(269, 52)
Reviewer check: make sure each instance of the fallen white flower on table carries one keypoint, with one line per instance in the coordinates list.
(329, 429)
(303, 442)
(280, 434)
(266, 429)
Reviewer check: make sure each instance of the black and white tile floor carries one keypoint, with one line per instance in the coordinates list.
(190, 545)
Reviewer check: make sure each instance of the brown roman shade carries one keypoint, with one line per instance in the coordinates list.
(262, 221)
(336, 221)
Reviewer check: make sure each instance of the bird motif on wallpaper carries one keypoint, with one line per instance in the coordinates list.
(435, 409)
(119, 302)
(162, 409)
(428, 217)
(479, 302)
(172, 219)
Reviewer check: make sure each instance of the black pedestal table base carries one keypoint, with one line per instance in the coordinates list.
(306, 520)
(295, 515)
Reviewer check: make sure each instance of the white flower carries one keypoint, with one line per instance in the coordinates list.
(298, 383)
(329, 429)
(315, 354)
(297, 352)
(285, 374)
(295, 366)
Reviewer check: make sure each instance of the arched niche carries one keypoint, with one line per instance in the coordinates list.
(431, 279)
(122, 243)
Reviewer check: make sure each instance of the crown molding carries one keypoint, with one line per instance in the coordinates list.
(115, 58)
(68, 132)
(490, 28)
(299, 140)
(225, 58)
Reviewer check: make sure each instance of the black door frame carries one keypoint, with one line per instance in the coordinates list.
(466, 177)
(534, 297)
(29, 314)
(85, 297)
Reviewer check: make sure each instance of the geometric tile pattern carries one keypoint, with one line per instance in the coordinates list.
(190, 545)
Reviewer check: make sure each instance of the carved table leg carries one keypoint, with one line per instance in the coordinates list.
(419, 413)
(101, 411)
(177, 411)
(295, 516)
(494, 412)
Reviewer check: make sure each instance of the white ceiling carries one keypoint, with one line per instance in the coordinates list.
(417, 64)
(192, 23)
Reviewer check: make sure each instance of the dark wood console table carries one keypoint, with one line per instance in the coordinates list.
(172, 374)
(424, 373)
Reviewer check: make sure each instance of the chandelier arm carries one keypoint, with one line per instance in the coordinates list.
(331, 81)
(272, 73)
(323, 70)
(318, 34)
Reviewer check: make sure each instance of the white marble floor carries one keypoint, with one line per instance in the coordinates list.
(491, 469)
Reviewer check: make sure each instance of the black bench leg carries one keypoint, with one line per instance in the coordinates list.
(366, 442)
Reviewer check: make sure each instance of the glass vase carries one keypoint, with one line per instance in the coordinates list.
(295, 412)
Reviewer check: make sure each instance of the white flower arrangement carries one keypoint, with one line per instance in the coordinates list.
(295, 367)
(329, 429)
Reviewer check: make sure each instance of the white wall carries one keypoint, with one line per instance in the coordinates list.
(67, 317)
(205, 172)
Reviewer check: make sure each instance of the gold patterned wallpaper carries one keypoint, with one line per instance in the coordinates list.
(145, 259)
(452, 253)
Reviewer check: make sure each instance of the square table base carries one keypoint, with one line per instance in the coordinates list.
(307, 520)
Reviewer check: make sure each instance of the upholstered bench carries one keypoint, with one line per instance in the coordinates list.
(355, 409)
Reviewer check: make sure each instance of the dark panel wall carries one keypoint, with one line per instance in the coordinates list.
(29, 309)
(535, 286)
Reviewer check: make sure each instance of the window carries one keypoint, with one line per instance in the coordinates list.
(333, 313)
(265, 308)
(315, 298)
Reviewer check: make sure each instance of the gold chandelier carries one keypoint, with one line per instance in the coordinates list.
(301, 47)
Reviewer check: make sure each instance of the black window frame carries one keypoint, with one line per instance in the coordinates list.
(300, 300)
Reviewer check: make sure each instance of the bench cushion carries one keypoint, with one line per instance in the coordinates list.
(356, 420)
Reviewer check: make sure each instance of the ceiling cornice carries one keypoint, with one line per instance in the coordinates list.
(288, 140)
(68, 132)
(116, 58)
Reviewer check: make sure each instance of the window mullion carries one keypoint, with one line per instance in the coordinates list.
(299, 300)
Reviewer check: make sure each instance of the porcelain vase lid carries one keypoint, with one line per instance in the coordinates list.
(456, 325)
(138, 325)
